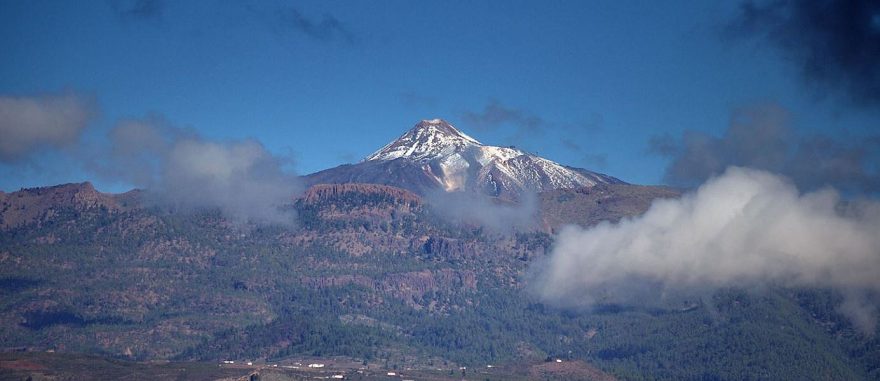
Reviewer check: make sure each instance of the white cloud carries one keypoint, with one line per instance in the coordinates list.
(499, 216)
(183, 170)
(743, 228)
(28, 124)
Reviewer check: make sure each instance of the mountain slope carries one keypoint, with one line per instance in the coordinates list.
(434, 155)
(372, 274)
(589, 206)
(35, 204)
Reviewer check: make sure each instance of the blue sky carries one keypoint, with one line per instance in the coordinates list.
(328, 82)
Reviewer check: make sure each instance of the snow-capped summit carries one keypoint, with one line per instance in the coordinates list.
(429, 139)
(457, 162)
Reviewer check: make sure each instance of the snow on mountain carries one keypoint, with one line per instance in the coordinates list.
(458, 162)
(429, 139)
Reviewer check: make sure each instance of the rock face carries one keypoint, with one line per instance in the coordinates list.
(447, 248)
(329, 192)
(434, 155)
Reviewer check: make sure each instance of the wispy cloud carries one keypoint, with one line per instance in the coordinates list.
(496, 115)
(526, 127)
(29, 124)
(496, 215)
(328, 28)
(186, 171)
(138, 9)
(834, 43)
(761, 137)
(587, 158)
(595, 160)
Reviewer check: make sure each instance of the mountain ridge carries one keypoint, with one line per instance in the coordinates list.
(435, 156)
(372, 274)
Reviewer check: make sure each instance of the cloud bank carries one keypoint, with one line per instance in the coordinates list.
(744, 228)
(29, 124)
(761, 137)
(186, 171)
(834, 43)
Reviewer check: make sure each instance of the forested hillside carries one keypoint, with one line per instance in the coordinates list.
(374, 273)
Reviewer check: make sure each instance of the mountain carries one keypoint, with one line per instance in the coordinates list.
(375, 274)
(37, 204)
(434, 155)
(372, 275)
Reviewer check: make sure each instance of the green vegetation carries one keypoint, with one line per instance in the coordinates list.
(147, 284)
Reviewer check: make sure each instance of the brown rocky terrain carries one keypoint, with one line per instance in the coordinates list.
(328, 192)
(41, 204)
(374, 274)
(165, 281)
